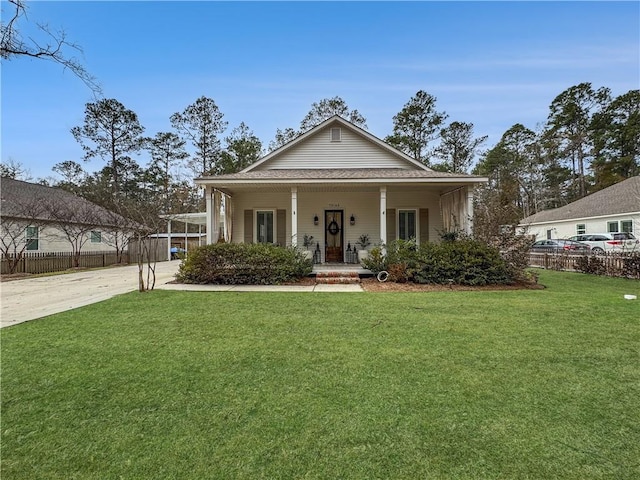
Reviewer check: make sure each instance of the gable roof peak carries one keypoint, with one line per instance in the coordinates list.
(347, 124)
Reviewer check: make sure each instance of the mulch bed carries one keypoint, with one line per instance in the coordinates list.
(373, 285)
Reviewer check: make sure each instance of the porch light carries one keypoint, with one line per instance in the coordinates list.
(315, 219)
(352, 220)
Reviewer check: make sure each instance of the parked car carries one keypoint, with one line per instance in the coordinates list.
(559, 246)
(608, 242)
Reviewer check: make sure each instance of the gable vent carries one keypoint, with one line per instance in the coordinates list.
(336, 134)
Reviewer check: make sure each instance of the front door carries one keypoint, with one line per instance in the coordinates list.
(333, 236)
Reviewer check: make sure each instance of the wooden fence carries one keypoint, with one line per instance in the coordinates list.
(613, 264)
(156, 247)
(47, 262)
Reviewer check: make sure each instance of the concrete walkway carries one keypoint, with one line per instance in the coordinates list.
(31, 298)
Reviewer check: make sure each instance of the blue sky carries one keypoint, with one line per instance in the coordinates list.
(493, 64)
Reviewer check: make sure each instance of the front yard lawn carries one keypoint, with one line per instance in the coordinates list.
(184, 385)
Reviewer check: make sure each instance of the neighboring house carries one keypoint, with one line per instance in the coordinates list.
(337, 182)
(613, 209)
(37, 218)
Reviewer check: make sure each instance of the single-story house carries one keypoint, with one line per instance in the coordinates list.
(612, 209)
(337, 182)
(38, 218)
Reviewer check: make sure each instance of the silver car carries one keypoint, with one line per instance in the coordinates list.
(608, 242)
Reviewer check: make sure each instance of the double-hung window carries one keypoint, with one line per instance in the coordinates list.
(407, 224)
(33, 238)
(96, 236)
(264, 226)
(626, 226)
(612, 227)
(581, 229)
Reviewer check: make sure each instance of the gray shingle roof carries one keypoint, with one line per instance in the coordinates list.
(338, 174)
(16, 196)
(623, 197)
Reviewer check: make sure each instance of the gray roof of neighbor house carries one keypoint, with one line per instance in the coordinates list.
(623, 197)
(21, 200)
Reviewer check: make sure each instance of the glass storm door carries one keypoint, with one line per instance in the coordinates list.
(333, 236)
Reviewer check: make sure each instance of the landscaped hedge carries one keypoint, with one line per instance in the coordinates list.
(615, 265)
(243, 264)
(461, 262)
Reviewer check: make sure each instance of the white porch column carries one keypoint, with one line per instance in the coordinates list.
(169, 239)
(215, 215)
(383, 217)
(210, 229)
(294, 216)
(186, 237)
(469, 222)
(199, 235)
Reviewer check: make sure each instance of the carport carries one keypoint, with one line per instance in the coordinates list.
(198, 218)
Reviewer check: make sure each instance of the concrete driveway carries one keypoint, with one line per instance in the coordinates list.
(32, 298)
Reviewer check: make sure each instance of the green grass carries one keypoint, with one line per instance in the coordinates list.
(181, 385)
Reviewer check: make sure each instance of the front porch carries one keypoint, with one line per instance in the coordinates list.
(338, 183)
(330, 220)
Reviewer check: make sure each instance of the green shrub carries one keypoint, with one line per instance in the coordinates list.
(399, 252)
(590, 264)
(376, 261)
(463, 262)
(613, 265)
(399, 272)
(631, 266)
(243, 264)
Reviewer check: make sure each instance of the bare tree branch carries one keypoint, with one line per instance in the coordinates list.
(13, 45)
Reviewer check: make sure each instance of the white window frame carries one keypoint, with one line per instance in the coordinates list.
(581, 228)
(617, 226)
(622, 222)
(95, 234)
(338, 137)
(273, 211)
(415, 211)
(29, 239)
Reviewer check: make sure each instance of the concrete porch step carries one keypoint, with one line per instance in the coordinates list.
(337, 277)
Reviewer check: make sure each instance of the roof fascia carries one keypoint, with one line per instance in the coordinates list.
(314, 181)
(576, 219)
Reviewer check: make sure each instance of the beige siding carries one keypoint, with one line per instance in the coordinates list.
(365, 206)
(405, 200)
(53, 240)
(259, 201)
(318, 151)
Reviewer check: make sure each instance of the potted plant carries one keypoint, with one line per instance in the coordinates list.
(307, 241)
(363, 242)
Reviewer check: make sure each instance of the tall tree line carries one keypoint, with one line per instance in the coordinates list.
(589, 141)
